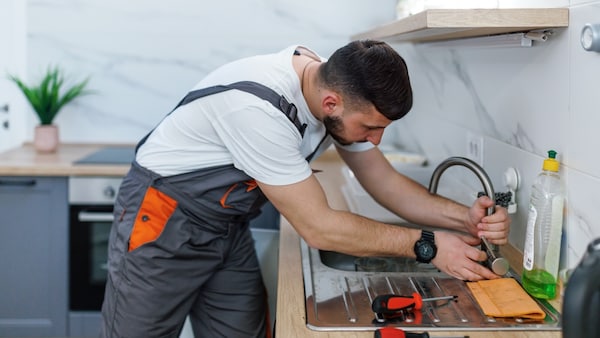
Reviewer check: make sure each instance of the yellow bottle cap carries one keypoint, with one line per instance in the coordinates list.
(551, 164)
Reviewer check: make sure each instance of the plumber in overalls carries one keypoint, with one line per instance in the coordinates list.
(180, 244)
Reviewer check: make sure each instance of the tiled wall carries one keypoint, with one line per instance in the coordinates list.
(523, 101)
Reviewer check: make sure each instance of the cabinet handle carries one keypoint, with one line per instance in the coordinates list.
(87, 216)
(18, 183)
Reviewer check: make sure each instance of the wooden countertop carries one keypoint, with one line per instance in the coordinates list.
(25, 161)
(291, 314)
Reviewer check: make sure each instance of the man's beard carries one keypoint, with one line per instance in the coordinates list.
(335, 127)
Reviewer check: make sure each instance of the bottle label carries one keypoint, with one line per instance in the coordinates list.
(528, 251)
(553, 253)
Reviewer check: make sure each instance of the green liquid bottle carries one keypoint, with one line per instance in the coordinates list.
(544, 230)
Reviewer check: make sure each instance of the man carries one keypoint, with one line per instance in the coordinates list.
(180, 243)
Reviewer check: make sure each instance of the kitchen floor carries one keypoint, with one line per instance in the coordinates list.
(187, 330)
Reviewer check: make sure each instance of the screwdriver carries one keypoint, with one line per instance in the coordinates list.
(391, 332)
(391, 303)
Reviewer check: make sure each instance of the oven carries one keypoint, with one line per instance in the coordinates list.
(91, 201)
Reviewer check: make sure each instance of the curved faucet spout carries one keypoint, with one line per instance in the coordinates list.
(499, 265)
(467, 163)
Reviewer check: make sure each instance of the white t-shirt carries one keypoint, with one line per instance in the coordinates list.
(239, 128)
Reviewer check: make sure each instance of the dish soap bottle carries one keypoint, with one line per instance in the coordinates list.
(544, 231)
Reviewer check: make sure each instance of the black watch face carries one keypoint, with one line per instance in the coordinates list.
(425, 251)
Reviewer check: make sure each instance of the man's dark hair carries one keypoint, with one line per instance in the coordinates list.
(371, 71)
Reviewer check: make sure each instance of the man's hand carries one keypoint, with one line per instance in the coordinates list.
(494, 228)
(458, 257)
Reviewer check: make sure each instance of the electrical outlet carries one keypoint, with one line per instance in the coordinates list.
(475, 148)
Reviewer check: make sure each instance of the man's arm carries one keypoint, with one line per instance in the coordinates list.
(305, 206)
(414, 203)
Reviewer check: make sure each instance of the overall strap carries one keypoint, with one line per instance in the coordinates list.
(262, 91)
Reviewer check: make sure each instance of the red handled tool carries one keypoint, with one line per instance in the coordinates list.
(389, 304)
(392, 332)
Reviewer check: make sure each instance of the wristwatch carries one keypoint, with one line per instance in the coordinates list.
(425, 248)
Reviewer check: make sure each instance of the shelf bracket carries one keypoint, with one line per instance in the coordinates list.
(522, 39)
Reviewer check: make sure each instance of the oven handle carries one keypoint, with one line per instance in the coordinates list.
(88, 216)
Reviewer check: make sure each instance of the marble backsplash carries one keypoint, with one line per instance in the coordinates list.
(523, 102)
(143, 55)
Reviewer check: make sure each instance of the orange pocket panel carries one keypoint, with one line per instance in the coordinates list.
(155, 211)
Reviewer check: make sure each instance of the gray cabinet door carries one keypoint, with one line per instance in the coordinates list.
(33, 256)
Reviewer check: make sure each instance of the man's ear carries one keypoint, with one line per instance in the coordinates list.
(331, 102)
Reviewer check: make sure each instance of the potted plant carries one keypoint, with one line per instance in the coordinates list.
(47, 99)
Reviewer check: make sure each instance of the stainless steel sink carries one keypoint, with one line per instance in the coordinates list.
(345, 262)
(338, 297)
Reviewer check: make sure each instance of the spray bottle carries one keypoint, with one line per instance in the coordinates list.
(544, 231)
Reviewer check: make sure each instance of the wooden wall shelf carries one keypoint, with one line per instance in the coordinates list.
(446, 24)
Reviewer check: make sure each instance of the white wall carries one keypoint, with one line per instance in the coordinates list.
(12, 61)
(523, 101)
(144, 55)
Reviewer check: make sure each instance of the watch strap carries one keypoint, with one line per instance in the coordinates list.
(427, 236)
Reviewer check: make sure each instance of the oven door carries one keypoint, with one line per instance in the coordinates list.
(88, 252)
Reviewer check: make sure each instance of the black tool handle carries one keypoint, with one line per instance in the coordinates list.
(390, 304)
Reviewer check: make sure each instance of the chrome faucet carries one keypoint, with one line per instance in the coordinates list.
(498, 265)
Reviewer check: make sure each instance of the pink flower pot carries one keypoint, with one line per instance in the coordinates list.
(45, 138)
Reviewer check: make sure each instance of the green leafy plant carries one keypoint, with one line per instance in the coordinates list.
(49, 96)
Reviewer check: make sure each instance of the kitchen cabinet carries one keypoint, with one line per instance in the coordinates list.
(444, 24)
(33, 256)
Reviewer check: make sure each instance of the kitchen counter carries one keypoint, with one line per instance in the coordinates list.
(291, 315)
(25, 161)
(291, 321)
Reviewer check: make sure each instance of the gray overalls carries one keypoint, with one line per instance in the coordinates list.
(181, 245)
